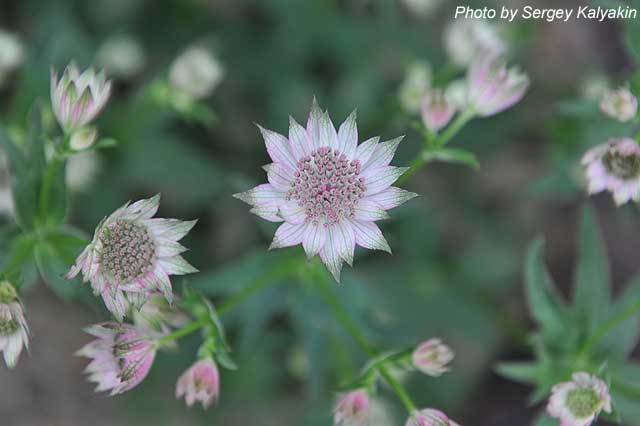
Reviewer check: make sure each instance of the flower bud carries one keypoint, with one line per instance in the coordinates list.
(431, 357)
(456, 94)
(77, 98)
(416, 82)
(14, 333)
(200, 383)
(429, 417)
(436, 110)
(196, 72)
(353, 409)
(579, 402)
(83, 138)
(619, 104)
(492, 87)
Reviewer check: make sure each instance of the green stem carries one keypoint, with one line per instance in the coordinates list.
(187, 329)
(398, 389)
(609, 325)
(47, 183)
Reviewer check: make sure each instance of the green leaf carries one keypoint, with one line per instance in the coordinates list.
(621, 341)
(523, 372)
(592, 291)
(452, 155)
(19, 255)
(53, 194)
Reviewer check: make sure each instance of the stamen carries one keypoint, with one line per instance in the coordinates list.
(128, 251)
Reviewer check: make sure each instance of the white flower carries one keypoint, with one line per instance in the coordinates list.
(465, 39)
(122, 56)
(196, 72)
(416, 82)
(14, 333)
(619, 104)
(579, 402)
(431, 357)
(11, 53)
(132, 255)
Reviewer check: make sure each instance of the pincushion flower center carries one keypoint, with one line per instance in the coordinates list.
(128, 250)
(622, 166)
(327, 186)
(582, 402)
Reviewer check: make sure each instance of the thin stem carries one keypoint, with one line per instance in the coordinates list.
(609, 325)
(398, 389)
(187, 329)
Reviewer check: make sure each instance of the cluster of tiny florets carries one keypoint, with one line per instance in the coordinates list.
(622, 166)
(582, 402)
(8, 326)
(127, 250)
(327, 185)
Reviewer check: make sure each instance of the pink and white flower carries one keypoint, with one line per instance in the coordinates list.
(429, 417)
(619, 104)
(353, 409)
(121, 356)
(436, 110)
(14, 333)
(327, 189)
(614, 167)
(200, 383)
(431, 357)
(492, 88)
(132, 256)
(580, 401)
(77, 98)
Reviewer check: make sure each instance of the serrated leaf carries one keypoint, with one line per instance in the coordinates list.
(452, 155)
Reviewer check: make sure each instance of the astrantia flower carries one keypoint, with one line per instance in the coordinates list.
(353, 409)
(619, 104)
(196, 72)
(132, 256)
(327, 189)
(436, 110)
(121, 356)
(200, 383)
(14, 333)
(429, 417)
(492, 87)
(465, 39)
(77, 98)
(579, 402)
(615, 167)
(432, 357)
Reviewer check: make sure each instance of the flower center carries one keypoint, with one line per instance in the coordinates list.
(582, 402)
(8, 326)
(128, 251)
(622, 166)
(327, 185)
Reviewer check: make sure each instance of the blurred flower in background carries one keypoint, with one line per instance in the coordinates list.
(353, 409)
(7, 207)
(619, 104)
(579, 402)
(422, 8)
(200, 383)
(196, 72)
(82, 170)
(594, 86)
(14, 333)
(436, 110)
(417, 81)
(122, 57)
(432, 357)
(465, 39)
(11, 54)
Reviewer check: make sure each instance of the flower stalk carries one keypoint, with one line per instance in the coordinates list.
(182, 332)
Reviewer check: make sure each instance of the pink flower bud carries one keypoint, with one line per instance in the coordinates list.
(619, 104)
(77, 98)
(121, 356)
(431, 357)
(353, 409)
(429, 417)
(14, 333)
(201, 382)
(579, 402)
(492, 87)
(436, 110)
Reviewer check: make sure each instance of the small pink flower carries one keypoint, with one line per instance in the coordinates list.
(328, 190)
(614, 167)
(14, 333)
(429, 417)
(432, 357)
(121, 356)
(492, 87)
(201, 382)
(579, 402)
(619, 104)
(436, 110)
(353, 409)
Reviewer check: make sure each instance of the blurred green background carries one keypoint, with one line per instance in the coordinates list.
(458, 249)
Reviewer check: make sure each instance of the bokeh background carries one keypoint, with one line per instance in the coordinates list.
(456, 271)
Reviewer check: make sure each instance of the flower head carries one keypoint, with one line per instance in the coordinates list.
(436, 110)
(201, 382)
(196, 72)
(465, 39)
(492, 87)
(619, 104)
(77, 98)
(579, 402)
(416, 82)
(132, 255)
(432, 357)
(14, 333)
(353, 409)
(615, 167)
(327, 189)
(121, 356)
(429, 417)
